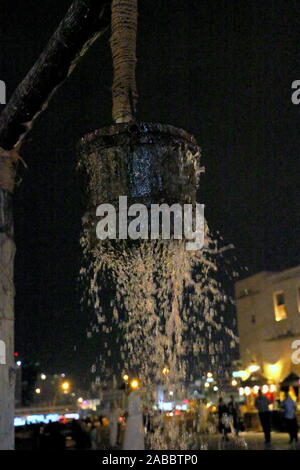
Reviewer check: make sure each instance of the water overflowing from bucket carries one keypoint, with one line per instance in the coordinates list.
(167, 306)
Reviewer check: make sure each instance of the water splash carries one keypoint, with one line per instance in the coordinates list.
(167, 307)
(158, 307)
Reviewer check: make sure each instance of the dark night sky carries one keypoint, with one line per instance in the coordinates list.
(220, 69)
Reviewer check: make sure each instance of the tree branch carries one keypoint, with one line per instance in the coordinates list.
(84, 22)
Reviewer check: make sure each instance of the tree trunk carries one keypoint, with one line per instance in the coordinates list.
(84, 22)
(7, 371)
(123, 48)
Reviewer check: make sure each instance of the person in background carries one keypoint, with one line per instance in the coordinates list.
(224, 421)
(93, 437)
(289, 408)
(114, 425)
(80, 435)
(233, 410)
(262, 405)
(147, 420)
(99, 435)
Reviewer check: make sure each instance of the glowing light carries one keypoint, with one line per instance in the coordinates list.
(216, 388)
(253, 368)
(255, 389)
(272, 388)
(206, 385)
(31, 419)
(242, 374)
(166, 370)
(38, 391)
(181, 407)
(273, 371)
(65, 386)
(241, 391)
(209, 374)
(247, 390)
(19, 363)
(43, 376)
(171, 393)
(166, 405)
(18, 421)
(80, 400)
(125, 377)
(134, 384)
(53, 417)
(72, 416)
(209, 379)
(265, 389)
(234, 382)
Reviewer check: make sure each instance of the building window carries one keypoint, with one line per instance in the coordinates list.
(279, 306)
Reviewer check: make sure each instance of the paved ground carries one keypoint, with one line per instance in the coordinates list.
(248, 440)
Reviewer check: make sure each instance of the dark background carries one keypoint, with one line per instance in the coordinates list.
(220, 69)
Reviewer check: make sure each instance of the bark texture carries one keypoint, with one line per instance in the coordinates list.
(84, 22)
(7, 370)
(123, 47)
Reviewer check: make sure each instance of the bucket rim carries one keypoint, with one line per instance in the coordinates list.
(137, 129)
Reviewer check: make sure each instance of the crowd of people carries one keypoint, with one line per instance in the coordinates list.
(289, 408)
(95, 432)
(59, 435)
(127, 429)
(229, 417)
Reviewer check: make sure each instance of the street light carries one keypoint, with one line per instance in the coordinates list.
(65, 386)
(38, 391)
(134, 384)
(125, 377)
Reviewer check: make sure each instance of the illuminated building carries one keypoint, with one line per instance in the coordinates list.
(268, 313)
